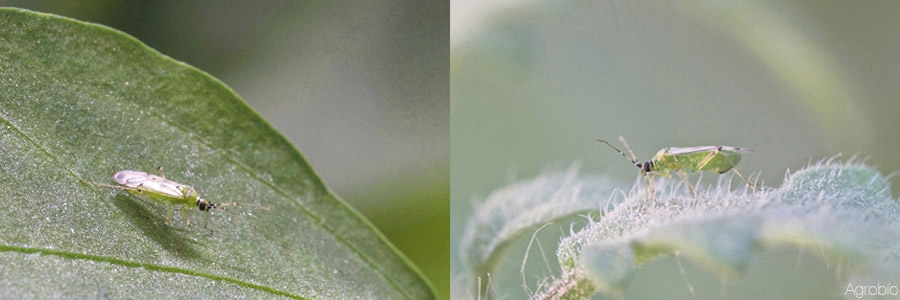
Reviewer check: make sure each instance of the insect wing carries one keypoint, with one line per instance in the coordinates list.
(688, 150)
(163, 186)
(131, 178)
(149, 182)
(737, 149)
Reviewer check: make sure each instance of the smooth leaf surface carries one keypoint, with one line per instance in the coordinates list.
(80, 102)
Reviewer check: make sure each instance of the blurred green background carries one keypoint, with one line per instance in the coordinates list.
(361, 88)
(534, 83)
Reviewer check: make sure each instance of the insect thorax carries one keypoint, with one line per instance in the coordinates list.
(189, 192)
(664, 161)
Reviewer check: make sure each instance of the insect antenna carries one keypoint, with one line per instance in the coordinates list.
(633, 159)
(222, 206)
(627, 147)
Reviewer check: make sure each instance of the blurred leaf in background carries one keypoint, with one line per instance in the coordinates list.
(360, 88)
(534, 83)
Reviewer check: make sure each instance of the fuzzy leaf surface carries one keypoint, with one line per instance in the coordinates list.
(842, 210)
(508, 214)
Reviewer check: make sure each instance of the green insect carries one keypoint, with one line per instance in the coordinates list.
(163, 190)
(719, 159)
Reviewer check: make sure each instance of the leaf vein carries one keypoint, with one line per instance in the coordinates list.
(148, 266)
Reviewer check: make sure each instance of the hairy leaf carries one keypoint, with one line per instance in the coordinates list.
(509, 213)
(823, 208)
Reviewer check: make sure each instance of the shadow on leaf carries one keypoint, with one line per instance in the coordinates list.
(153, 226)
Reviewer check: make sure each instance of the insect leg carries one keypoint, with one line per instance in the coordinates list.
(161, 173)
(737, 171)
(184, 216)
(647, 191)
(652, 190)
(683, 177)
(753, 187)
(169, 214)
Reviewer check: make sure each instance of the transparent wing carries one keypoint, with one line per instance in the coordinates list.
(131, 178)
(163, 186)
(737, 149)
(686, 150)
(149, 182)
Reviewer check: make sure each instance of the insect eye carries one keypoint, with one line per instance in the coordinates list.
(202, 205)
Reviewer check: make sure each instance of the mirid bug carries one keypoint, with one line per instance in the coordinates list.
(719, 159)
(163, 190)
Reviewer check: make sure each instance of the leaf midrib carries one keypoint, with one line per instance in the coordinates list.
(148, 266)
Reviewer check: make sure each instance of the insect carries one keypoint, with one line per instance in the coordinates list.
(163, 190)
(719, 159)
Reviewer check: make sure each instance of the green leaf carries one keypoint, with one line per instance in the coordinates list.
(512, 212)
(80, 102)
(823, 208)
